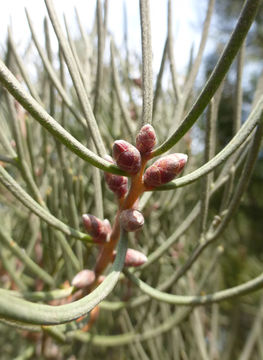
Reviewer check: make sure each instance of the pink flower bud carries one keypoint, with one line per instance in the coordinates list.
(116, 183)
(146, 139)
(133, 258)
(107, 226)
(164, 170)
(131, 220)
(126, 156)
(101, 278)
(83, 279)
(97, 228)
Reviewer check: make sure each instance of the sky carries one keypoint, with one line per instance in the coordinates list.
(186, 26)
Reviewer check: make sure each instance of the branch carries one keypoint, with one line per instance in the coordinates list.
(245, 20)
(31, 105)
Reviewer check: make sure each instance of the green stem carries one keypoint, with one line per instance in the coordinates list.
(245, 20)
(117, 88)
(78, 85)
(42, 295)
(236, 291)
(31, 204)
(147, 82)
(176, 88)
(14, 308)
(21, 254)
(32, 106)
(253, 120)
(158, 85)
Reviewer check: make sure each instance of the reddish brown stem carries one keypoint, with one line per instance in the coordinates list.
(136, 189)
(93, 317)
(105, 255)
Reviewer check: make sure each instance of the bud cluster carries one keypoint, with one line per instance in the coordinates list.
(132, 160)
(128, 158)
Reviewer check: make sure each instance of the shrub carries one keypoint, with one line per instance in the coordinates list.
(57, 137)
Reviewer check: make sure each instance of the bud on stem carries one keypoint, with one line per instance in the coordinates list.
(127, 156)
(133, 258)
(146, 139)
(164, 170)
(98, 229)
(131, 220)
(117, 184)
(83, 279)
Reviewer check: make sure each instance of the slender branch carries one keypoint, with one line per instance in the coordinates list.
(238, 89)
(31, 204)
(117, 87)
(253, 120)
(196, 65)
(8, 159)
(213, 234)
(31, 105)
(21, 159)
(9, 266)
(56, 294)
(253, 335)
(14, 308)
(80, 90)
(245, 20)
(22, 69)
(205, 186)
(53, 76)
(20, 253)
(175, 84)
(236, 291)
(173, 238)
(159, 78)
(118, 340)
(88, 55)
(243, 181)
(76, 58)
(6, 142)
(100, 52)
(147, 82)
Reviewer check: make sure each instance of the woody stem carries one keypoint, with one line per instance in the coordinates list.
(136, 189)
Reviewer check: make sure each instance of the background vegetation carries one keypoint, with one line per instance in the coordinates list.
(192, 248)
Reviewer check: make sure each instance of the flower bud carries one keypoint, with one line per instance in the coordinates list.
(101, 278)
(164, 170)
(116, 183)
(131, 220)
(83, 279)
(133, 258)
(146, 139)
(97, 228)
(107, 226)
(126, 156)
